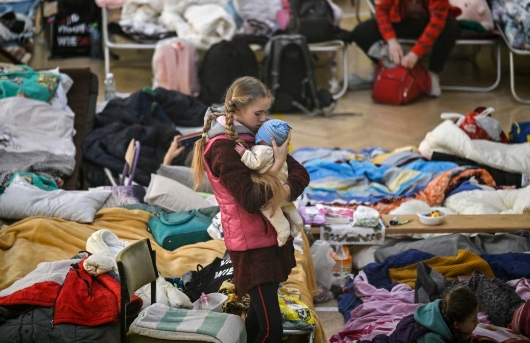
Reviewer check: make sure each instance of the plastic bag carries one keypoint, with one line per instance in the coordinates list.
(365, 217)
(343, 265)
(323, 262)
(479, 124)
(293, 309)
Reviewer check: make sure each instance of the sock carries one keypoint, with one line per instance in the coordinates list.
(435, 85)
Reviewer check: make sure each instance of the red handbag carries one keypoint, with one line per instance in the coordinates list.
(400, 85)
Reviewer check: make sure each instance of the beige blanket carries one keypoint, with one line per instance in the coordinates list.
(28, 242)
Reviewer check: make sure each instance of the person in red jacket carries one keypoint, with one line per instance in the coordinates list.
(431, 22)
(258, 262)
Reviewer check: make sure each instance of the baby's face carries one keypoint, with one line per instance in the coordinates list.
(263, 143)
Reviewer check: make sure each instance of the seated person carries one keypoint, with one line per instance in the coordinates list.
(285, 219)
(431, 22)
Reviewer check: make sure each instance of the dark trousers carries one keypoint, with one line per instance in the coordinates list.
(367, 33)
(264, 320)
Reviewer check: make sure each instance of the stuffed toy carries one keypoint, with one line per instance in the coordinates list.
(474, 10)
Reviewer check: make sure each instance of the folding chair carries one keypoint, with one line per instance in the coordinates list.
(131, 158)
(492, 40)
(136, 267)
(512, 64)
(335, 46)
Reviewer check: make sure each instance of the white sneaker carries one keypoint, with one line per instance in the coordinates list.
(436, 91)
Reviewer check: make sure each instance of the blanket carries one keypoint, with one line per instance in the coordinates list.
(28, 242)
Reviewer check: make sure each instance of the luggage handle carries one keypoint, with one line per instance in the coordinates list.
(166, 219)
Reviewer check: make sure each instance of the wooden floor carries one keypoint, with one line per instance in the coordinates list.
(380, 125)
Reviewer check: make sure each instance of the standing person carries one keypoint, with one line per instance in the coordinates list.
(451, 319)
(431, 22)
(285, 218)
(259, 263)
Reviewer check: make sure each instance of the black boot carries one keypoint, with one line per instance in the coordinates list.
(428, 283)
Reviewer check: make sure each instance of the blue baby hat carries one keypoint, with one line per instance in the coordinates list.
(273, 128)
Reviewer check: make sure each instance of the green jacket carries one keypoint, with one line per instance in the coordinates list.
(429, 315)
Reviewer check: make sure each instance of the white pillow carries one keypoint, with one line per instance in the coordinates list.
(172, 196)
(21, 200)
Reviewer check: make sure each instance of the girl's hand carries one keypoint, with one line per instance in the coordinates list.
(240, 148)
(173, 151)
(281, 152)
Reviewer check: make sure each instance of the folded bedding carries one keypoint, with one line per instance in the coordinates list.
(35, 137)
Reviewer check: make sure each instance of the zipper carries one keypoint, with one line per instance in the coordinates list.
(74, 267)
(406, 90)
(55, 301)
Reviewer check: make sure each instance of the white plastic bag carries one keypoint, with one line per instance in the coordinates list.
(323, 262)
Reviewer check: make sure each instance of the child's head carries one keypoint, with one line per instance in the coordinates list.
(273, 128)
(247, 100)
(459, 309)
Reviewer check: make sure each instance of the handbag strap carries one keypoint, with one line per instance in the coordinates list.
(176, 218)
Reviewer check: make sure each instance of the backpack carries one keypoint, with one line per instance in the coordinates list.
(310, 18)
(175, 66)
(288, 72)
(223, 63)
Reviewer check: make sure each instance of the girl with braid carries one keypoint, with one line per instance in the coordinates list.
(259, 263)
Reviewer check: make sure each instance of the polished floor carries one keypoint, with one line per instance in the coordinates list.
(378, 125)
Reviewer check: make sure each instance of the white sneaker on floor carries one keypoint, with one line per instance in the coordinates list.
(436, 91)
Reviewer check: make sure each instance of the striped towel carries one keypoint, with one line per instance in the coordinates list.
(162, 322)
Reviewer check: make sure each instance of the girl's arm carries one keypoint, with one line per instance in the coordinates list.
(226, 164)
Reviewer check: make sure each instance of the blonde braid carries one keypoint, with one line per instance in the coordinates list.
(230, 127)
(198, 161)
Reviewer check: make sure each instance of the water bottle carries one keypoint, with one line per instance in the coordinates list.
(110, 87)
(95, 42)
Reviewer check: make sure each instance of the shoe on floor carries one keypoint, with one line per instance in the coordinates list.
(436, 91)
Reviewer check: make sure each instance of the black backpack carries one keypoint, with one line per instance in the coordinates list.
(288, 72)
(312, 19)
(223, 63)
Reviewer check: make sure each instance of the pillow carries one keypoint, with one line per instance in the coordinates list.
(184, 175)
(172, 196)
(21, 200)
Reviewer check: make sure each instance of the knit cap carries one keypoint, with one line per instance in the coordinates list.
(273, 128)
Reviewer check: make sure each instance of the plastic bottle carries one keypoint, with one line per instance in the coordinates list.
(204, 302)
(95, 42)
(110, 87)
